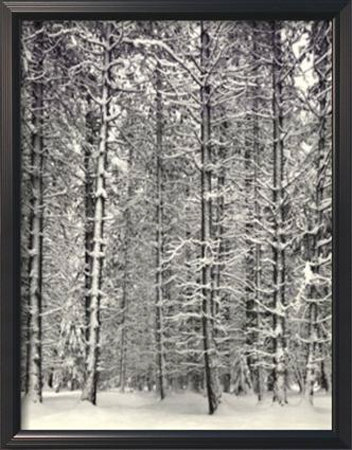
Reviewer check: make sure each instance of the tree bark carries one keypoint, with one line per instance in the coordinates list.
(89, 214)
(316, 234)
(279, 268)
(258, 371)
(36, 236)
(159, 237)
(211, 376)
(249, 256)
(89, 391)
(221, 307)
(126, 274)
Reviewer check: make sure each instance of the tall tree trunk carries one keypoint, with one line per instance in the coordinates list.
(89, 214)
(35, 249)
(220, 207)
(314, 253)
(123, 349)
(159, 238)
(211, 376)
(124, 305)
(89, 391)
(221, 244)
(279, 269)
(126, 274)
(249, 256)
(258, 371)
(192, 325)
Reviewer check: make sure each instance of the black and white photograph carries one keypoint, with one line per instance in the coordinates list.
(176, 225)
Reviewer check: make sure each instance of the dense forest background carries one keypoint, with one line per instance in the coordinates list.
(176, 207)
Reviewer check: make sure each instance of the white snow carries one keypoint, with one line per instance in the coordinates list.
(308, 274)
(119, 163)
(181, 411)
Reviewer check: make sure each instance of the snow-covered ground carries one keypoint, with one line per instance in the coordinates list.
(183, 411)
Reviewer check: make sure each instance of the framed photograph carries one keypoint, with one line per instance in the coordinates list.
(176, 224)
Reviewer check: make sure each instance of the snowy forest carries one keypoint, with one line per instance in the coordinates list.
(176, 211)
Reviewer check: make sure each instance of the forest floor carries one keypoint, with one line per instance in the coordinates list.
(181, 411)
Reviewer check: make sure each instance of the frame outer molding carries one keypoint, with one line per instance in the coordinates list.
(342, 229)
(7, 344)
(11, 12)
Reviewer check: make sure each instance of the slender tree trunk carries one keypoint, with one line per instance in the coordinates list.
(249, 257)
(259, 388)
(279, 270)
(126, 275)
(220, 212)
(36, 240)
(159, 237)
(219, 231)
(311, 366)
(315, 252)
(89, 215)
(211, 376)
(98, 253)
(192, 325)
(124, 303)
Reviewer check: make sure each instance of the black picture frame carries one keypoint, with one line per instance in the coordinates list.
(12, 12)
